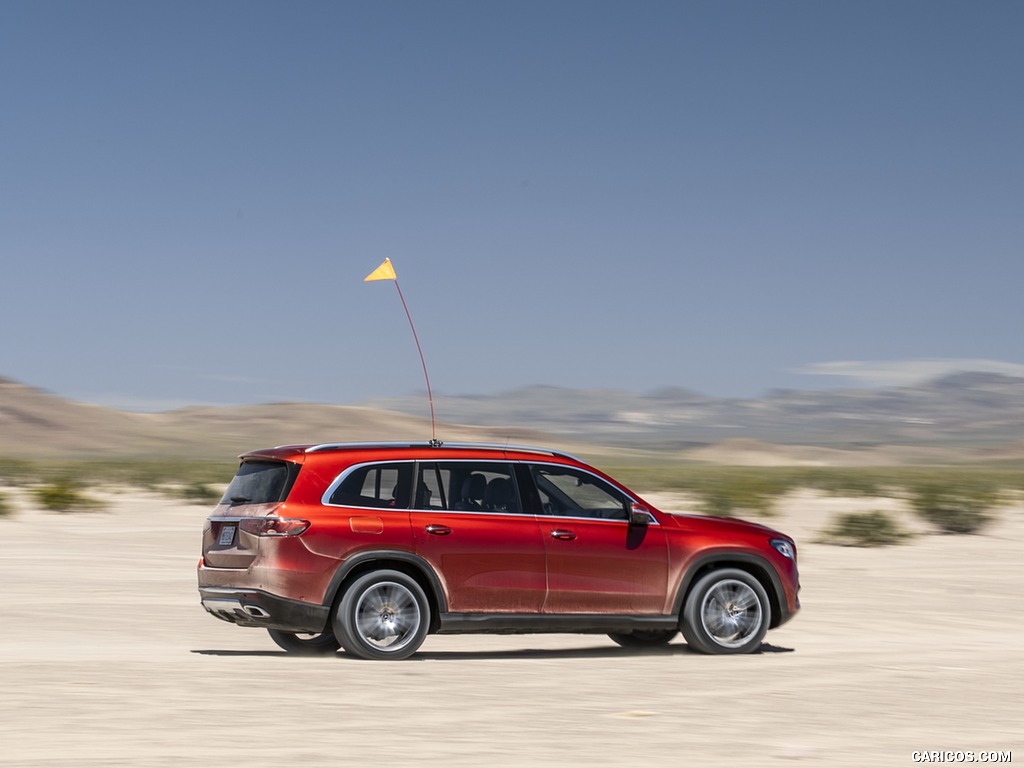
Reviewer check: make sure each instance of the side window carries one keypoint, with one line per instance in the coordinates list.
(467, 486)
(375, 485)
(573, 493)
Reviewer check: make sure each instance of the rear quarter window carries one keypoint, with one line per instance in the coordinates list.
(374, 485)
(261, 482)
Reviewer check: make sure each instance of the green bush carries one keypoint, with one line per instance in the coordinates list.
(863, 529)
(753, 491)
(14, 471)
(956, 506)
(63, 495)
(718, 490)
(839, 483)
(200, 493)
(715, 502)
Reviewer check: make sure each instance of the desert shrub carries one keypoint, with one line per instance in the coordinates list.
(153, 474)
(863, 529)
(845, 482)
(63, 495)
(728, 492)
(719, 490)
(724, 489)
(715, 502)
(5, 506)
(200, 493)
(957, 506)
(14, 471)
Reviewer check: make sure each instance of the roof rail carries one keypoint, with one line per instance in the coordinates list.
(439, 444)
(522, 448)
(368, 444)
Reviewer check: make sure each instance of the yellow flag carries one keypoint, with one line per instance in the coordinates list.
(384, 272)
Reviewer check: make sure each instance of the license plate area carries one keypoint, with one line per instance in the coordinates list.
(226, 545)
(226, 537)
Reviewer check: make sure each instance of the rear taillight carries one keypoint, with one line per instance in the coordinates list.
(273, 526)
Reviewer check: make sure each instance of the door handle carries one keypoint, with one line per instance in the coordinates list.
(439, 530)
(562, 535)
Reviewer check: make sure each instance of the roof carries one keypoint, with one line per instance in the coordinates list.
(293, 452)
(433, 445)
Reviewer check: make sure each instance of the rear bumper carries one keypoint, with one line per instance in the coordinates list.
(256, 608)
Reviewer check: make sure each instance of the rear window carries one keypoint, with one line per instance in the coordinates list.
(261, 482)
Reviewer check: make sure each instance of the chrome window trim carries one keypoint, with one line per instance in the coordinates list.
(324, 499)
(359, 446)
(511, 476)
(651, 519)
(472, 512)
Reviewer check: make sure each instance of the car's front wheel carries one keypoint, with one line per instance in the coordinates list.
(382, 615)
(320, 644)
(727, 611)
(644, 638)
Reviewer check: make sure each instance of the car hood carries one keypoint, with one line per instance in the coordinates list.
(685, 520)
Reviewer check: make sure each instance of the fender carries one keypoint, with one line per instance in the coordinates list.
(777, 594)
(421, 566)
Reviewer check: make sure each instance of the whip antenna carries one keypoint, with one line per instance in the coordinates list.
(387, 272)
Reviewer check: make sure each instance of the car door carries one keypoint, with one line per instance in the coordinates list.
(468, 523)
(597, 562)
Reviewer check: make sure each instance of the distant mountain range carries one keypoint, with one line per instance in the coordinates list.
(969, 409)
(968, 414)
(38, 425)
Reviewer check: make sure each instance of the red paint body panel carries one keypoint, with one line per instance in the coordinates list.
(609, 567)
(488, 563)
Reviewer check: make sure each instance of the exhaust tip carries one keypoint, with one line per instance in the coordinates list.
(255, 611)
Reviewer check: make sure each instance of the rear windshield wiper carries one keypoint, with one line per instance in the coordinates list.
(240, 499)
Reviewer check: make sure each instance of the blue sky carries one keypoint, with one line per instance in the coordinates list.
(724, 196)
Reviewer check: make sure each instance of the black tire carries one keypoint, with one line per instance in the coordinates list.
(727, 611)
(321, 644)
(382, 615)
(644, 638)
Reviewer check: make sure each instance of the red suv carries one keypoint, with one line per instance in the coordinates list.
(374, 546)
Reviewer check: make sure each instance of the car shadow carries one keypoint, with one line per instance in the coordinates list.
(524, 653)
(769, 648)
(218, 652)
(602, 652)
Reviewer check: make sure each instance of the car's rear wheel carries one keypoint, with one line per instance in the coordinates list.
(727, 611)
(644, 638)
(320, 644)
(382, 615)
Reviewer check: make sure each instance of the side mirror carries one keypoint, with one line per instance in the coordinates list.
(638, 514)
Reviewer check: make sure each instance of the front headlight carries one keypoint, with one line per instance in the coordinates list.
(784, 548)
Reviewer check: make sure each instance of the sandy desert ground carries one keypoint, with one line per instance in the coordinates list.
(107, 659)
